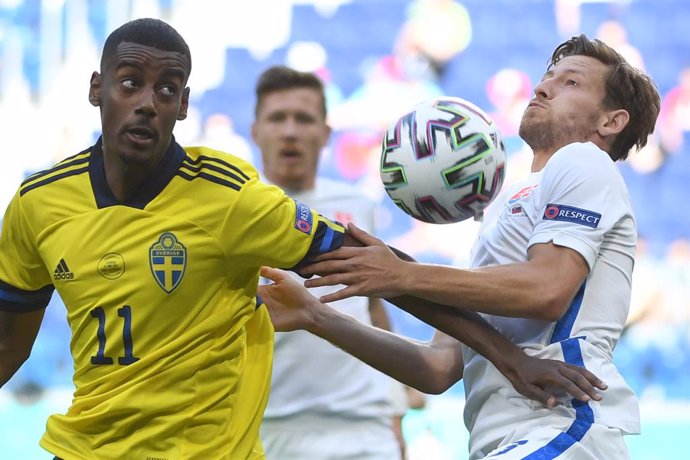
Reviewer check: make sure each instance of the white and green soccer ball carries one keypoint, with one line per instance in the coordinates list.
(444, 161)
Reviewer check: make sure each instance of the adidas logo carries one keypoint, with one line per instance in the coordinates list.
(62, 272)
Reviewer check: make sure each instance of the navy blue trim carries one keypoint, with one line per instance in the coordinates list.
(564, 326)
(151, 188)
(17, 300)
(208, 177)
(326, 239)
(204, 161)
(259, 302)
(66, 163)
(52, 179)
(32, 182)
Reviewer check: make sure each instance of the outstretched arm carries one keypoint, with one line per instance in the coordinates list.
(541, 288)
(429, 367)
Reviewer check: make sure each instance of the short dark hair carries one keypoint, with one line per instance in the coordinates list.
(280, 78)
(626, 88)
(147, 32)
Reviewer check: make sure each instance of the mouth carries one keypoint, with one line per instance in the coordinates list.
(535, 104)
(290, 155)
(140, 134)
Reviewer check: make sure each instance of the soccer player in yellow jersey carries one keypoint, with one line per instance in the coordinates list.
(155, 250)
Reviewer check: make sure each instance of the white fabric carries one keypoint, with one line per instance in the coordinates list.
(582, 188)
(313, 381)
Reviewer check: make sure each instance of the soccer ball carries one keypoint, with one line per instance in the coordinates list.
(443, 162)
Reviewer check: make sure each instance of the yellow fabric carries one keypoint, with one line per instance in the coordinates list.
(172, 358)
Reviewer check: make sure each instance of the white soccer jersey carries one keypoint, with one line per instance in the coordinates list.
(578, 200)
(309, 374)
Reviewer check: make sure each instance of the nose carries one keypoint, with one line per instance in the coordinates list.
(542, 90)
(290, 127)
(146, 104)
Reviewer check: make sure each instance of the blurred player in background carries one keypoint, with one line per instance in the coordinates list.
(324, 404)
(552, 264)
(155, 251)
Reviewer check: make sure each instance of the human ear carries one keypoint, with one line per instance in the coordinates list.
(184, 105)
(614, 122)
(95, 89)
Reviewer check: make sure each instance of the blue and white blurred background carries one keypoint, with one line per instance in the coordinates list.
(378, 58)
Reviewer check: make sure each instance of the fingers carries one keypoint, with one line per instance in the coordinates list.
(582, 383)
(341, 294)
(326, 280)
(591, 378)
(542, 396)
(272, 274)
(362, 236)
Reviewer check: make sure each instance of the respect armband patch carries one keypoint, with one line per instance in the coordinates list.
(572, 214)
(303, 218)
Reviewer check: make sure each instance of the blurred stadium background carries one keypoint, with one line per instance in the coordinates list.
(378, 58)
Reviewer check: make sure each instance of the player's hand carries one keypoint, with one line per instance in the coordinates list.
(372, 270)
(288, 301)
(548, 380)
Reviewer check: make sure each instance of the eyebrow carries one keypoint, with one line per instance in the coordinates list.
(177, 72)
(550, 72)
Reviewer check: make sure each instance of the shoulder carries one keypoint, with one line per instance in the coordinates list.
(582, 156)
(216, 167)
(208, 157)
(70, 167)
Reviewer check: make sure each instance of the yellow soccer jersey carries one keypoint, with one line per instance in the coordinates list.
(160, 297)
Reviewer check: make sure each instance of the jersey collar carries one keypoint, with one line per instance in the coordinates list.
(154, 185)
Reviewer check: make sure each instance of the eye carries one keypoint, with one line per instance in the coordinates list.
(571, 83)
(305, 118)
(129, 83)
(168, 90)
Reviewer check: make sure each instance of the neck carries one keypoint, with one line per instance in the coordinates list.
(540, 158)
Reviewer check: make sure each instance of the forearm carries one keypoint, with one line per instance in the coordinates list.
(415, 364)
(507, 290)
(465, 326)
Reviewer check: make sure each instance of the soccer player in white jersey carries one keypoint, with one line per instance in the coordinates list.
(551, 268)
(324, 404)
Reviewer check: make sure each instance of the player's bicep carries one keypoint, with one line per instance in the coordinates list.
(266, 227)
(560, 269)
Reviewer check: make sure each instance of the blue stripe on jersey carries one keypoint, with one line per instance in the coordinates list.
(18, 300)
(564, 326)
(209, 177)
(584, 416)
(327, 240)
(572, 354)
(259, 301)
(51, 179)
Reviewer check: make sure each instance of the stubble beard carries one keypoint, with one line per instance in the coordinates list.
(551, 135)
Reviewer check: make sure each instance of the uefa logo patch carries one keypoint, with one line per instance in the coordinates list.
(572, 214)
(303, 218)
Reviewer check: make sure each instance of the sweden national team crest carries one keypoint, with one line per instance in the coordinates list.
(168, 260)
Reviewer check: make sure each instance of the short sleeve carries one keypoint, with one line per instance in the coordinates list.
(581, 198)
(266, 227)
(25, 283)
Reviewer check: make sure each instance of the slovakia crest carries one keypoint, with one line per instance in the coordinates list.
(168, 260)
